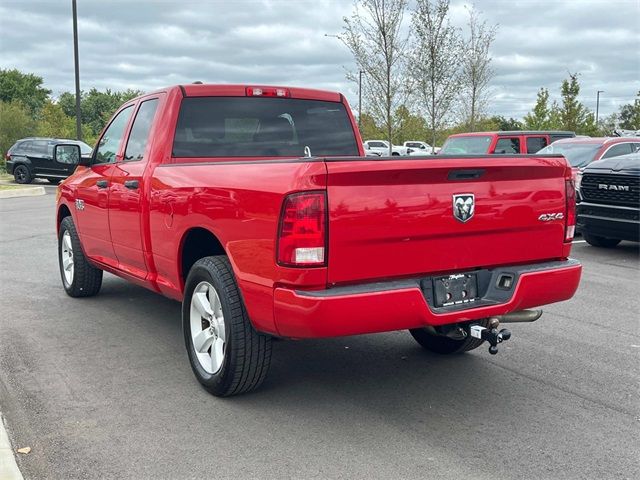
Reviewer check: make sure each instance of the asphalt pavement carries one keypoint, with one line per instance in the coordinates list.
(101, 387)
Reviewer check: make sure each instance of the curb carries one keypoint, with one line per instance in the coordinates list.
(8, 466)
(22, 192)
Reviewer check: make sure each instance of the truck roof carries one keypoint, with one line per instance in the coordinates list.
(240, 90)
(501, 133)
(597, 140)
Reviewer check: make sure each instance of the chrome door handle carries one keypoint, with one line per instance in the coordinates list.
(131, 184)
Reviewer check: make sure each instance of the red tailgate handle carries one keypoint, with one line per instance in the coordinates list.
(465, 174)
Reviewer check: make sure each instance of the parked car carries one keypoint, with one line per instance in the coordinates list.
(581, 151)
(501, 143)
(610, 207)
(31, 158)
(382, 148)
(420, 148)
(370, 153)
(204, 193)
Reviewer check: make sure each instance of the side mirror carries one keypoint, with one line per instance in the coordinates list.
(69, 154)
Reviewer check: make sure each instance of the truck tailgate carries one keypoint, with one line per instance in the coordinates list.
(392, 218)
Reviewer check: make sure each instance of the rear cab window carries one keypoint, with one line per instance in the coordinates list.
(262, 127)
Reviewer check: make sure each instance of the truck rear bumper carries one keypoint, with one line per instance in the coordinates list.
(405, 304)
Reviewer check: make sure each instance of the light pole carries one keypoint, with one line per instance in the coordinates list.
(598, 104)
(360, 101)
(77, 69)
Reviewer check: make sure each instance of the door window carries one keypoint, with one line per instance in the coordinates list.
(616, 150)
(140, 131)
(38, 148)
(110, 141)
(508, 146)
(535, 143)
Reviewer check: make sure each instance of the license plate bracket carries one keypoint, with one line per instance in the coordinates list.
(455, 289)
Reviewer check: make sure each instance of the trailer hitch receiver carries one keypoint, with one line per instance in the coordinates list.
(491, 335)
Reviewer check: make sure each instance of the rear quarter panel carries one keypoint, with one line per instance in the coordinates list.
(239, 202)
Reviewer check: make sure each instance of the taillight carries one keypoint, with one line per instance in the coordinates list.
(570, 226)
(267, 92)
(7, 156)
(302, 235)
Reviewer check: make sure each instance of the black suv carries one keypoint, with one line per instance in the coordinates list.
(31, 158)
(610, 207)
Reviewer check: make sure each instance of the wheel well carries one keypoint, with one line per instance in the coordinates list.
(198, 243)
(63, 212)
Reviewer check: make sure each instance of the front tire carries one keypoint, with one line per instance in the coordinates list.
(22, 175)
(601, 242)
(227, 355)
(445, 345)
(79, 277)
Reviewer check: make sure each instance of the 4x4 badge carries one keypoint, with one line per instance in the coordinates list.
(79, 204)
(464, 206)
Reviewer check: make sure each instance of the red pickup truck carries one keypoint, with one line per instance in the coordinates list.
(257, 209)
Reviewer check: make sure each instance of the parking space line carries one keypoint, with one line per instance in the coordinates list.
(8, 466)
(579, 241)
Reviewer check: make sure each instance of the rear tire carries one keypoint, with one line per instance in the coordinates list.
(445, 345)
(79, 277)
(601, 242)
(22, 174)
(227, 355)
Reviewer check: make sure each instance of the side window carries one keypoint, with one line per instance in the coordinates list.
(616, 150)
(536, 143)
(636, 147)
(110, 141)
(38, 148)
(24, 148)
(508, 146)
(140, 131)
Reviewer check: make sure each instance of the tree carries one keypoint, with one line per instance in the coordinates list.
(409, 126)
(96, 107)
(510, 124)
(435, 62)
(373, 35)
(25, 88)
(540, 117)
(369, 129)
(54, 123)
(15, 123)
(476, 67)
(574, 115)
(629, 116)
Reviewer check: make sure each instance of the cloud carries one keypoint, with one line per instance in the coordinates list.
(150, 44)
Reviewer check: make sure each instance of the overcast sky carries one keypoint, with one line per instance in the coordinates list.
(150, 44)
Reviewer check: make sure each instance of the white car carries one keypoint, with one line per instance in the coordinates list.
(381, 147)
(420, 148)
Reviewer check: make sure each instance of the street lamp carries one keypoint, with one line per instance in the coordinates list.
(77, 69)
(598, 105)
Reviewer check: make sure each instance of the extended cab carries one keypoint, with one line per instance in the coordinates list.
(257, 209)
(501, 143)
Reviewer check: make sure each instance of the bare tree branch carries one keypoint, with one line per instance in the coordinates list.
(374, 36)
(434, 67)
(476, 68)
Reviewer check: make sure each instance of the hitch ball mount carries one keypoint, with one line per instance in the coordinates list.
(491, 335)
